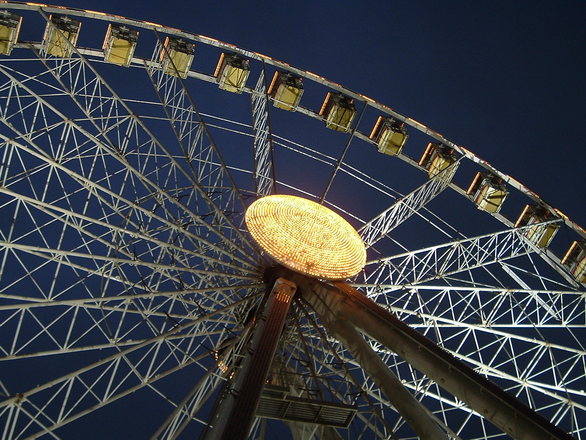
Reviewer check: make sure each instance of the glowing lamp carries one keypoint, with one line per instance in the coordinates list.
(306, 237)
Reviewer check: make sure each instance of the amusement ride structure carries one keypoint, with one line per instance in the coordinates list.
(197, 240)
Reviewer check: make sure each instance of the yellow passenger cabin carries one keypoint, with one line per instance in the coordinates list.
(60, 36)
(286, 90)
(177, 56)
(539, 234)
(488, 192)
(119, 45)
(232, 72)
(436, 158)
(9, 29)
(390, 135)
(575, 260)
(338, 111)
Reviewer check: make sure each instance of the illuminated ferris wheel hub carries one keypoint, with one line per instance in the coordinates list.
(306, 237)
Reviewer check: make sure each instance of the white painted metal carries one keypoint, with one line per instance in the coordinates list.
(263, 163)
(121, 240)
(447, 259)
(405, 207)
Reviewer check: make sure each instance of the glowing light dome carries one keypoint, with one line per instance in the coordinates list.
(306, 237)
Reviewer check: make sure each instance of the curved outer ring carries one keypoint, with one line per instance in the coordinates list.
(312, 77)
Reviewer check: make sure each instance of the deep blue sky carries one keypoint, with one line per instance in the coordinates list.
(504, 79)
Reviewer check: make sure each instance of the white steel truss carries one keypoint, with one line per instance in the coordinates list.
(406, 206)
(447, 259)
(263, 163)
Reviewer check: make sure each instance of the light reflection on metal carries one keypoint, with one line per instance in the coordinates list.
(306, 237)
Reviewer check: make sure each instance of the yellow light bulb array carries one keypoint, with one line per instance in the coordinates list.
(306, 237)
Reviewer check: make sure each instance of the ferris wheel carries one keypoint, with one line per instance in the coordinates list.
(135, 291)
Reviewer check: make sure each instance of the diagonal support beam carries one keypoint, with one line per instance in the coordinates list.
(481, 395)
(406, 404)
(263, 149)
(405, 207)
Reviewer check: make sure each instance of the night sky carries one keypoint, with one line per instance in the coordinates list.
(502, 79)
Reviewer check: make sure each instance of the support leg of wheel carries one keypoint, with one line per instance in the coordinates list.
(236, 413)
(412, 411)
(481, 395)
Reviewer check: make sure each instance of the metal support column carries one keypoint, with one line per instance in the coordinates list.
(412, 411)
(479, 394)
(236, 412)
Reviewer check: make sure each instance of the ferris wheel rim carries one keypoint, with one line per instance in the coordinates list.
(464, 152)
(61, 10)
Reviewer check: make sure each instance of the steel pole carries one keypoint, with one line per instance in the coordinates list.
(236, 412)
(412, 411)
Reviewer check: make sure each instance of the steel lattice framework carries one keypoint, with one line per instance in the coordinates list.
(127, 275)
